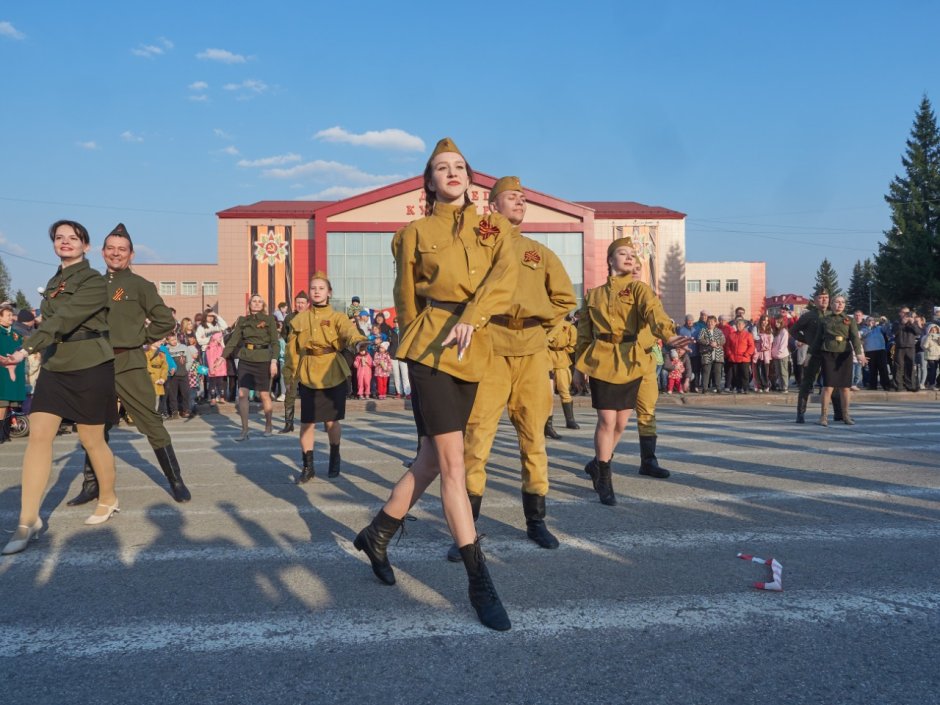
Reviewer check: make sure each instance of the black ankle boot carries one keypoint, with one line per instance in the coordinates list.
(483, 595)
(288, 421)
(476, 501)
(373, 541)
(568, 408)
(308, 472)
(648, 463)
(533, 506)
(603, 484)
(89, 489)
(166, 456)
(335, 461)
(550, 431)
(837, 407)
(801, 409)
(590, 468)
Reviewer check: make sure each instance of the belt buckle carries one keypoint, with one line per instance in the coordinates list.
(839, 338)
(250, 346)
(516, 324)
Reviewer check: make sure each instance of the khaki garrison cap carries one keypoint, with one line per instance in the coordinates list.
(507, 183)
(445, 145)
(120, 231)
(621, 242)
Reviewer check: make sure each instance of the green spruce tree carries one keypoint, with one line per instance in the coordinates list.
(4, 283)
(908, 261)
(857, 295)
(21, 300)
(826, 278)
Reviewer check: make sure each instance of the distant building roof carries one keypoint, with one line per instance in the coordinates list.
(782, 299)
(275, 209)
(630, 209)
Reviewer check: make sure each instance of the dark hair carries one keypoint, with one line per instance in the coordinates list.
(79, 229)
(429, 195)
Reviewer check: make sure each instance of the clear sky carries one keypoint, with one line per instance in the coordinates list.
(776, 127)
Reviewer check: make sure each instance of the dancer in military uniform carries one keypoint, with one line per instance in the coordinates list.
(255, 338)
(834, 336)
(617, 327)
(561, 341)
(301, 302)
(454, 271)
(76, 381)
(136, 316)
(805, 330)
(317, 335)
(516, 378)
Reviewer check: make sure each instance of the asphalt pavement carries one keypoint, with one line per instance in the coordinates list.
(253, 592)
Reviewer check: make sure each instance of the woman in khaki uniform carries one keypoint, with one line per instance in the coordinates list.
(76, 381)
(561, 343)
(836, 336)
(317, 335)
(454, 273)
(255, 338)
(617, 327)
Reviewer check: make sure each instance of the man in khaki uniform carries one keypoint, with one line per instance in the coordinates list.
(301, 302)
(136, 316)
(561, 342)
(519, 371)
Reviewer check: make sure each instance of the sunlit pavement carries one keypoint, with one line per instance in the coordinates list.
(253, 592)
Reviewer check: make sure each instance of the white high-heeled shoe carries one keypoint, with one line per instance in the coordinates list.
(102, 518)
(17, 545)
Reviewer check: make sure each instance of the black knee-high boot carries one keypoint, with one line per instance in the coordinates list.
(648, 463)
(533, 506)
(89, 489)
(335, 461)
(166, 456)
(568, 408)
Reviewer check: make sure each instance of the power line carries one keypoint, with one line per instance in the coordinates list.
(100, 207)
(28, 259)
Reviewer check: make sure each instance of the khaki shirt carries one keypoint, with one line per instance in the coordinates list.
(543, 292)
(561, 343)
(317, 336)
(74, 303)
(257, 336)
(622, 306)
(835, 331)
(457, 257)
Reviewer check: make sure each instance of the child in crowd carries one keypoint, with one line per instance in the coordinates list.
(676, 374)
(158, 369)
(217, 373)
(763, 346)
(780, 355)
(363, 366)
(382, 364)
(195, 379)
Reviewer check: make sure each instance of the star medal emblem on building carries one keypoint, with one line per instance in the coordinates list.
(271, 248)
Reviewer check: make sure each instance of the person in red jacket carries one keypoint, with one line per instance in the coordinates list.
(740, 350)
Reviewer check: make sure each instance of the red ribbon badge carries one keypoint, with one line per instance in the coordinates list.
(531, 256)
(325, 324)
(623, 293)
(846, 321)
(119, 294)
(58, 290)
(262, 324)
(486, 229)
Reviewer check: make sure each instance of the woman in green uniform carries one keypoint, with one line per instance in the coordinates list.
(76, 381)
(832, 344)
(617, 329)
(454, 272)
(12, 379)
(317, 335)
(255, 338)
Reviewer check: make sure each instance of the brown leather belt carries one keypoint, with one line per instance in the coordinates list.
(317, 350)
(556, 349)
(515, 323)
(252, 346)
(616, 339)
(452, 306)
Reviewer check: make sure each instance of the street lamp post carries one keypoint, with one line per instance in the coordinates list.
(870, 285)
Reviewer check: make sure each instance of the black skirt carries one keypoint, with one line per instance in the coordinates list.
(837, 368)
(254, 375)
(322, 404)
(440, 403)
(79, 396)
(614, 397)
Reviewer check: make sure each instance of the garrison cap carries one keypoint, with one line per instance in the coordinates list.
(507, 183)
(445, 145)
(120, 231)
(618, 243)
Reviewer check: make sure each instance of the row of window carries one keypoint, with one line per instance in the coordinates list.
(694, 286)
(189, 288)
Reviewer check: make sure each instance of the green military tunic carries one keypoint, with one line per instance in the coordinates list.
(73, 334)
(834, 332)
(806, 330)
(133, 301)
(255, 337)
(12, 379)
(287, 370)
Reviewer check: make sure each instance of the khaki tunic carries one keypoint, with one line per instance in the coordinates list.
(74, 301)
(317, 336)
(561, 343)
(256, 329)
(457, 257)
(622, 306)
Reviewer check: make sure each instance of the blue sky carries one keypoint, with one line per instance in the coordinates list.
(777, 129)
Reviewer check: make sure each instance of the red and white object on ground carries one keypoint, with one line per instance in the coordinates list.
(776, 571)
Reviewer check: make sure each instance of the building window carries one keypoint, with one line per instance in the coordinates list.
(189, 288)
(569, 247)
(693, 286)
(210, 288)
(167, 288)
(731, 284)
(713, 285)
